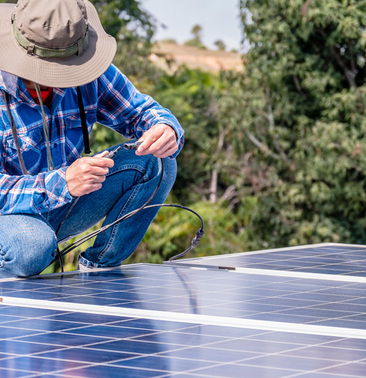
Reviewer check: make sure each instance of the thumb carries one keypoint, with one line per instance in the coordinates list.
(101, 154)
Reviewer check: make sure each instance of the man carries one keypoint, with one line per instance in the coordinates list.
(56, 81)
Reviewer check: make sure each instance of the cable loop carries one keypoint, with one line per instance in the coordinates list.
(194, 243)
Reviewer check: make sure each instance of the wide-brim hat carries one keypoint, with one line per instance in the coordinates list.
(32, 45)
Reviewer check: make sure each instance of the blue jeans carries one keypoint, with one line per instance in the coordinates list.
(28, 242)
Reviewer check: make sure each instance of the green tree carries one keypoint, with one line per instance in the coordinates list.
(197, 32)
(133, 29)
(121, 15)
(192, 96)
(117, 15)
(304, 120)
(173, 229)
(220, 44)
(196, 41)
(210, 174)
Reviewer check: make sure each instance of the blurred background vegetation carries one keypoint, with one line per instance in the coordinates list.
(274, 153)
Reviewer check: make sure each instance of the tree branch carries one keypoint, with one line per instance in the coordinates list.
(350, 75)
(263, 147)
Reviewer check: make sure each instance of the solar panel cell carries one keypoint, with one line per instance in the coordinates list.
(163, 321)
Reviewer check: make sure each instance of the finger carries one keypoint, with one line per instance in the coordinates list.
(166, 153)
(96, 179)
(162, 148)
(86, 168)
(145, 145)
(93, 180)
(91, 188)
(149, 138)
(152, 148)
(99, 171)
(157, 146)
(101, 154)
(100, 162)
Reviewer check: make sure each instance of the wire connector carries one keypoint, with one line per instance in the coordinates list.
(145, 206)
(194, 243)
(132, 145)
(113, 153)
(198, 237)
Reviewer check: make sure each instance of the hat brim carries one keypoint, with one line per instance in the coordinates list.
(67, 72)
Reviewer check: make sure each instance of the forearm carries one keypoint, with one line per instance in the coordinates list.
(33, 194)
(157, 115)
(123, 108)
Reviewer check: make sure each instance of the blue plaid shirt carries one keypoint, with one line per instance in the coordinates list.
(111, 100)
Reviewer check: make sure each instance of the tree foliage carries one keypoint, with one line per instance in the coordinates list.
(273, 156)
(196, 41)
(304, 117)
(173, 229)
(220, 44)
(133, 29)
(117, 16)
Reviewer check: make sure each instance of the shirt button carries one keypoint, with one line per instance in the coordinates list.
(54, 145)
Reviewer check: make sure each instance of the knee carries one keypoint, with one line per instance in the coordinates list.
(170, 169)
(25, 255)
(166, 166)
(164, 170)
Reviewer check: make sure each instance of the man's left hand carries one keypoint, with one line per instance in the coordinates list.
(160, 140)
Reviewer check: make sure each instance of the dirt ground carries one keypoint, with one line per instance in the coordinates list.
(169, 56)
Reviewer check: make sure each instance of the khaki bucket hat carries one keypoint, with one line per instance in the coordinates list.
(56, 43)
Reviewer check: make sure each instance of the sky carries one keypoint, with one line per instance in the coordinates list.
(219, 19)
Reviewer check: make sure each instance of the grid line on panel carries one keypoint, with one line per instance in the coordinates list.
(209, 293)
(215, 324)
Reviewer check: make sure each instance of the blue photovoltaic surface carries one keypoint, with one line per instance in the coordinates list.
(71, 344)
(96, 338)
(206, 292)
(321, 259)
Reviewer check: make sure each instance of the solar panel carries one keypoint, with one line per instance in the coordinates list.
(337, 259)
(175, 320)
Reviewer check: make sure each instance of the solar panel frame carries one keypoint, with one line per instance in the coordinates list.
(345, 259)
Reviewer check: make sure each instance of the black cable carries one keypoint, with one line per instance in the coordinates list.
(84, 126)
(83, 239)
(58, 252)
(110, 155)
(194, 242)
(124, 217)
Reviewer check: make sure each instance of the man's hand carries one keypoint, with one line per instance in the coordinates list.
(160, 140)
(85, 175)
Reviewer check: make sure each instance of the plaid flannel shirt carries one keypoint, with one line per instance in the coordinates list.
(111, 100)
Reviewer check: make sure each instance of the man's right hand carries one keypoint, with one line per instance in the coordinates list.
(85, 175)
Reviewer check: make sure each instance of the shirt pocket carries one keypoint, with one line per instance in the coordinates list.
(74, 140)
(31, 145)
(73, 133)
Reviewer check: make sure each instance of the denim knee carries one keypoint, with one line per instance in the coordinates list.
(170, 174)
(171, 168)
(23, 254)
(148, 165)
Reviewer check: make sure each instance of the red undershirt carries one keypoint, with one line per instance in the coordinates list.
(46, 96)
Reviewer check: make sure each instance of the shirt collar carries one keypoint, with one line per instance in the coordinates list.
(9, 83)
(15, 86)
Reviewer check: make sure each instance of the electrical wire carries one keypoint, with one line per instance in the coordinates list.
(77, 243)
(58, 252)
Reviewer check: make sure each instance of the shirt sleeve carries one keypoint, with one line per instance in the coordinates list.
(123, 108)
(33, 194)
